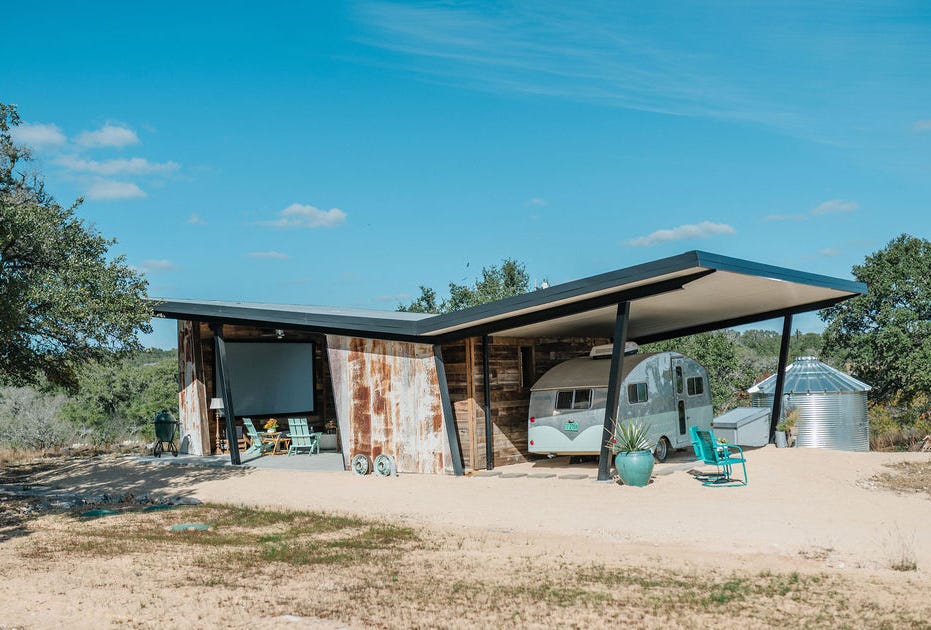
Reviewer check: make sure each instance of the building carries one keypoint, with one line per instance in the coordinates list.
(450, 392)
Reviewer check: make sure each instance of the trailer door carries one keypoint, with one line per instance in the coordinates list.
(678, 379)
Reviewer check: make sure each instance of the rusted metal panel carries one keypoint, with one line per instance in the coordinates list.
(192, 396)
(388, 401)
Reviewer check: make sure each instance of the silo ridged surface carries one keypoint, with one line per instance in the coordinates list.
(834, 417)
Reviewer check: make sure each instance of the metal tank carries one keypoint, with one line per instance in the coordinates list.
(831, 405)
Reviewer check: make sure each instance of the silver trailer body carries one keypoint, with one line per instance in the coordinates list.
(668, 391)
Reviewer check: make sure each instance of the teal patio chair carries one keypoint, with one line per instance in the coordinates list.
(259, 443)
(719, 454)
(301, 437)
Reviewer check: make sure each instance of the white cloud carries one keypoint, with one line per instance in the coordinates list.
(835, 205)
(158, 265)
(107, 136)
(276, 255)
(923, 125)
(106, 189)
(538, 202)
(300, 216)
(195, 219)
(37, 135)
(131, 166)
(700, 230)
(828, 251)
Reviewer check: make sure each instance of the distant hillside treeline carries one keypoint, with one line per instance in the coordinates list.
(117, 400)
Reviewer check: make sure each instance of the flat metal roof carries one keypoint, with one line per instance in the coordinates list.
(692, 292)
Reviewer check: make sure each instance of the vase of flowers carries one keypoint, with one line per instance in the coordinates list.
(271, 425)
(633, 456)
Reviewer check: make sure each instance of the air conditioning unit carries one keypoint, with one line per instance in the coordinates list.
(604, 352)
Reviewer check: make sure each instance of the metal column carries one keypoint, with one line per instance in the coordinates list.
(486, 382)
(224, 378)
(449, 414)
(780, 376)
(614, 389)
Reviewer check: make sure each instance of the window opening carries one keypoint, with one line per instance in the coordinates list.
(696, 386)
(637, 393)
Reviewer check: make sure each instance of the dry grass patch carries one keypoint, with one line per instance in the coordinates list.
(376, 574)
(907, 477)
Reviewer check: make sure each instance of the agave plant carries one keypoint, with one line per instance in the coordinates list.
(631, 437)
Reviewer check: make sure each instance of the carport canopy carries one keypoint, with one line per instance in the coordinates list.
(680, 295)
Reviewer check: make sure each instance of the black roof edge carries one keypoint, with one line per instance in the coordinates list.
(737, 265)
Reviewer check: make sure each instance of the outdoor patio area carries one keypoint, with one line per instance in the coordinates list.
(321, 462)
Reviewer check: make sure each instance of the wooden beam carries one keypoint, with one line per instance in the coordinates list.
(489, 430)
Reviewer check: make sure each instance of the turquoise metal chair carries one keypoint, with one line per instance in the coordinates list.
(260, 444)
(301, 437)
(719, 454)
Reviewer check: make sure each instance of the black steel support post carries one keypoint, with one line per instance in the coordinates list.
(614, 389)
(223, 376)
(449, 415)
(486, 382)
(780, 376)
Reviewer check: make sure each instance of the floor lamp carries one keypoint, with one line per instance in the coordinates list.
(216, 404)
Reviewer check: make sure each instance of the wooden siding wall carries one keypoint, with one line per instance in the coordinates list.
(510, 399)
(388, 401)
(324, 409)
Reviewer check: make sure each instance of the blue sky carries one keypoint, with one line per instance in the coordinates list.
(343, 154)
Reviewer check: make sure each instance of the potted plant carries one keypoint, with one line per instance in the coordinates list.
(784, 428)
(633, 454)
(271, 425)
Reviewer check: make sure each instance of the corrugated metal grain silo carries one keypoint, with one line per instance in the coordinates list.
(831, 405)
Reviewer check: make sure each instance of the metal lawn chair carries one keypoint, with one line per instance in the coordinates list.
(719, 454)
(301, 437)
(260, 444)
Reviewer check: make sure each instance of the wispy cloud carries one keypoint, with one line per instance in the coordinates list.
(538, 202)
(683, 232)
(835, 205)
(832, 206)
(130, 166)
(195, 219)
(300, 216)
(275, 255)
(103, 190)
(107, 136)
(38, 136)
(923, 125)
(828, 251)
(561, 50)
(155, 265)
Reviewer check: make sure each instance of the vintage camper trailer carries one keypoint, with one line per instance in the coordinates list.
(666, 390)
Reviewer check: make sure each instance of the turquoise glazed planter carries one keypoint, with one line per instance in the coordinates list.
(634, 468)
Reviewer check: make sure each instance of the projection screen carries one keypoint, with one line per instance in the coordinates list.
(270, 378)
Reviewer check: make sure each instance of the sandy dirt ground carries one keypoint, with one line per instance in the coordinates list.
(804, 510)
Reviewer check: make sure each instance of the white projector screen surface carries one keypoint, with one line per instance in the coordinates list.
(270, 378)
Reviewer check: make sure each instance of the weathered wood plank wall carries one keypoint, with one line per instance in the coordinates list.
(194, 431)
(388, 401)
(510, 395)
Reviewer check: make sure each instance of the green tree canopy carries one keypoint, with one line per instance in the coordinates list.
(63, 301)
(884, 335)
(496, 283)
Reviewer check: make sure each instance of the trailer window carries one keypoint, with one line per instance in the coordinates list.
(696, 386)
(637, 393)
(574, 399)
(678, 379)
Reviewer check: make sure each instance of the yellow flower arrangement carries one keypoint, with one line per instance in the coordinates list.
(271, 424)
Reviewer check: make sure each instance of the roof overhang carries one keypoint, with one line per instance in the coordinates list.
(692, 292)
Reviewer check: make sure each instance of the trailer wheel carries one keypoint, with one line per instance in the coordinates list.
(661, 452)
(361, 464)
(385, 466)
